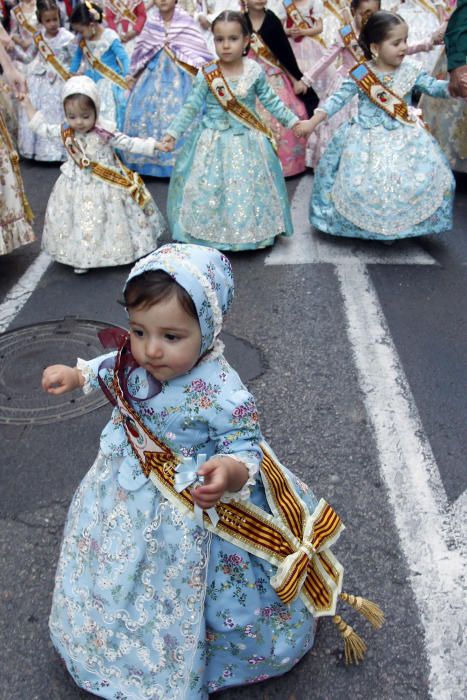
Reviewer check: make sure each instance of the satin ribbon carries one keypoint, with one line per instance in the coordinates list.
(115, 338)
(186, 476)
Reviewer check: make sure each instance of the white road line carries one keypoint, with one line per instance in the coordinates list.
(431, 537)
(22, 290)
(434, 551)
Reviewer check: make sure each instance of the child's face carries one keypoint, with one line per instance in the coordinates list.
(256, 4)
(392, 50)
(51, 22)
(165, 6)
(367, 6)
(229, 41)
(87, 31)
(81, 118)
(165, 339)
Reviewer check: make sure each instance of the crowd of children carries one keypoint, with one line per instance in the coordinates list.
(228, 119)
(191, 555)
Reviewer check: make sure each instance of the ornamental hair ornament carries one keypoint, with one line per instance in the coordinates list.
(92, 11)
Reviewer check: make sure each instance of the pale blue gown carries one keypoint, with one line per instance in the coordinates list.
(379, 178)
(227, 189)
(147, 606)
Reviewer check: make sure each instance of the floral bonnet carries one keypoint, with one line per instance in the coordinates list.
(204, 273)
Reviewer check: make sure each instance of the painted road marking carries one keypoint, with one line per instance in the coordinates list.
(432, 532)
(22, 290)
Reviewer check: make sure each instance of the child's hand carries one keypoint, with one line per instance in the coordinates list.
(159, 146)
(221, 474)
(58, 379)
(302, 128)
(168, 143)
(299, 87)
(204, 22)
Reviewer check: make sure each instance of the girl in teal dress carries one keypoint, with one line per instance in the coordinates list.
(382, 176)
(227, 189)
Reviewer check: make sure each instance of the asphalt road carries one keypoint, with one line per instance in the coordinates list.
(288, 335)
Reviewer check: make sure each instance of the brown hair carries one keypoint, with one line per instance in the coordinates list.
(84, 101)
(153, 286)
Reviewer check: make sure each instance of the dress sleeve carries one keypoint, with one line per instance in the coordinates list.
(76, 60)
(110, 19)
(140, 12)
(328, 57)
(235, 430)
(40, 127)
(90, 370)
(340, 98)
(133, 144)
(421, 46)
(431, 86)
(121, 55)
(273, 103)
(191, 108)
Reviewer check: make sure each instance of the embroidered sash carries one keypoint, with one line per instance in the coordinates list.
(350, 40)
(14, 160)
(121, 10)
(296, 17)
(219, 87)
(333, 9)
(191, 70)
(121, 177)
(100, 67)
(42, 46)
(382, 96)
(258, 47)
(294, 540)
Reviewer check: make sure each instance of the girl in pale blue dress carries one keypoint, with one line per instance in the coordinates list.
(382, 177)
(105, 45)
(227, 189)
(149, 603)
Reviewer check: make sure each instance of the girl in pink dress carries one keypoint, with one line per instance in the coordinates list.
(270, 47)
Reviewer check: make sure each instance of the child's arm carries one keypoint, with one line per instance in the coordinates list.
(431, 86)
(134, 144)
(37, 121)
(188, 113)
(59, 379)
(273, 103)
(121, 55)
(231, 472)
(328, 57)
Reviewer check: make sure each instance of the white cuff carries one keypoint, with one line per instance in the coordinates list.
(90, 377)
(244, 493)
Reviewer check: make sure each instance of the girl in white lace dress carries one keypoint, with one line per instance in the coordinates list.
(99, 213)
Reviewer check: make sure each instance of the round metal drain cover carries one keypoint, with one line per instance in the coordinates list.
(25, 352)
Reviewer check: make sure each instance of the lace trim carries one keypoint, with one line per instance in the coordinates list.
(403, 79)
(244, 493)
(90, 377)
(251, 72)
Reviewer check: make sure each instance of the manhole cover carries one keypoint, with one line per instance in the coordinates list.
(25, 352)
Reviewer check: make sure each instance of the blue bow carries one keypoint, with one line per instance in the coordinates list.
(186, 476)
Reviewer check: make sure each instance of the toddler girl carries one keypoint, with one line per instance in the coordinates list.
(382, 176)
(155, 598)
(227, 188)
(99, 213)
(167, 55)
(104, 58)
(54, 50)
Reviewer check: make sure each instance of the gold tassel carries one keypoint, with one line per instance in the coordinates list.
(367, 608)
(354, 646)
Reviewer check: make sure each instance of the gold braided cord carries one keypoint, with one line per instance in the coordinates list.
(191, 70)
(101, 68)
(122, 10)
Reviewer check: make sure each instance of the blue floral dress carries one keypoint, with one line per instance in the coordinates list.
(148, 606)
(379, 178)
(227, 189)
